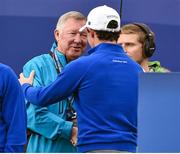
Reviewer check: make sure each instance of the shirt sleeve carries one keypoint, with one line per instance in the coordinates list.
(40, 119)
(14, 112)
(66, 83)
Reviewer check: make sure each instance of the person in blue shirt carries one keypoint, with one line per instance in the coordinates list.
(105, 87)
(12, 112)
(51, 128)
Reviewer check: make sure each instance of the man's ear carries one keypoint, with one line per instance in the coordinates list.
(92, 33)
(56, 34)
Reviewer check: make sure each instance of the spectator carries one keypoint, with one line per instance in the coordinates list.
(12, 113)
(138, 41)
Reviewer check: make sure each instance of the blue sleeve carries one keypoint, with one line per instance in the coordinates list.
(14, 113)
(53, 126)
(65, 84)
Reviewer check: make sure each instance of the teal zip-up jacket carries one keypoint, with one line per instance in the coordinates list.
(52, 133)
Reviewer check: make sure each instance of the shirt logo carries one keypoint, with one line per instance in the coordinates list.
(119, 61)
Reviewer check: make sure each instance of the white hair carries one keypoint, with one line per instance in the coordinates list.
(72, 14)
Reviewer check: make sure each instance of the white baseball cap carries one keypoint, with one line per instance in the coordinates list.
(99, 18)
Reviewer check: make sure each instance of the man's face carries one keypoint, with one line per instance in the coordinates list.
(70, 41)
(132, 46)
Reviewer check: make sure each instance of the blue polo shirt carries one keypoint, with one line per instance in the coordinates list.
(105, 85)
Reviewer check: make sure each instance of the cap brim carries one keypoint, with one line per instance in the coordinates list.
(83, 28)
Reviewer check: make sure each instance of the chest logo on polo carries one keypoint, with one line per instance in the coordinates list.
(119, 61)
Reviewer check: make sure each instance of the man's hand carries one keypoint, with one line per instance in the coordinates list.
(29, 80)
(74, 136)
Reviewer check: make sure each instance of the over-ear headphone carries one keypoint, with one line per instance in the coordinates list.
(149, 44)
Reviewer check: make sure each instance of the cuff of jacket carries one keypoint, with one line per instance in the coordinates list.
(67, 130)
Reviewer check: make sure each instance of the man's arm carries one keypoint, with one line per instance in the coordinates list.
(65, 84)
